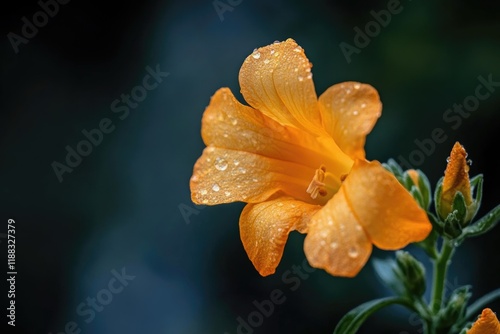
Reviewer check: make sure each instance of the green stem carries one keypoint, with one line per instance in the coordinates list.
(439, 276)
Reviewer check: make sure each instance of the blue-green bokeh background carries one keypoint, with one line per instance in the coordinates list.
(120, 206)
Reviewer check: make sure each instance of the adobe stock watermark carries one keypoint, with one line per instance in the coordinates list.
(188, 210)
(372, 29)
(453, 117)
(264, 309)
(121, 106)
(88, 308)
(222, 6)
(29, 29)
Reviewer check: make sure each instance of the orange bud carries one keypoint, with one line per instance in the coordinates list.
(456, 179)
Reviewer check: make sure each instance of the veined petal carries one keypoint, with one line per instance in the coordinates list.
(486, 324)
(383, 207)
(277, 80)
(223, 176)
(264, 229)
(229, 124)
(336, 242)
(350, 111)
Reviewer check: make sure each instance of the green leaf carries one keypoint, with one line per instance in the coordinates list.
(482, 226)
(425, 189)
(353, 320)
(460, 206)
(475, 308)
(437, 197)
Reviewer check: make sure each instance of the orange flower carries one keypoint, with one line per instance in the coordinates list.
(486, 324)
(299, 163)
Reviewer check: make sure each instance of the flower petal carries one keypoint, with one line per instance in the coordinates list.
(277, 80)
(336, 242)
(224, 176)
(350, 111)
(386, 210)
(264, 229)
(250, 157)
(486, 324)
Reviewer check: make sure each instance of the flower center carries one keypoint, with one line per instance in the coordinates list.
(317, 185)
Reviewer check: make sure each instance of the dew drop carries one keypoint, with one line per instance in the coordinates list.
(266, 61)
(272, 51)
(353, 252)
(300, 78)
(255, 180)
(334, 245)
(448, 159)
(356, 86)
(220, 164)
(242, 170)
(280, 229)
(236, 162)
(296, 69)
(203, 192)
(227, 193)
(309, 76)
(355, 112)
(194, 178)
(297, 49)
(348, 91)
(256, 54)
(276, 42)
(234, 121)
(215, 187)
(363, 105)
(205, 201)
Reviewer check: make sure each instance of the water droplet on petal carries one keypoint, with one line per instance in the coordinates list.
(234, 121)
(236, 162)
(203, 192)
(297, 49)
(363, 105)
(334, 244)
(256, 54)
(356, 86)
(220, 164)
(266, 61)
(448, 159)
(215, 187)
(353, 252)
(276, 42)
(272, 51)
(309, 76)
(300, 78)
(227, 193)
(355, 112)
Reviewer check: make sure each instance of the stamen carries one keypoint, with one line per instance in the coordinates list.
(317, 185)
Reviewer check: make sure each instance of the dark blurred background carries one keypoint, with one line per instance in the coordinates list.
(119, 212)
